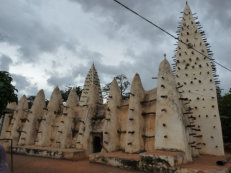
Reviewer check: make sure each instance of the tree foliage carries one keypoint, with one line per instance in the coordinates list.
(30, 101)
(65, 93)
(7, 91)
(123, 84)
(225, 113)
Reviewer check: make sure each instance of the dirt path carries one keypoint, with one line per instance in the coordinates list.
(27, 164)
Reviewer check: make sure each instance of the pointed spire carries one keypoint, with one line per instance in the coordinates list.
(164, 55)
(22, 102)
(40, 97)
(93, 67)
(114, 92)
(55, 100)
(114, 87)
(165, 65)
(22, 106)
(136, 82)
(91, 78)
(72, 98)
(187, 9)
(39, 102)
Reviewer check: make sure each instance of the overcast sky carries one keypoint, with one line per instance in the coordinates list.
(45, 43)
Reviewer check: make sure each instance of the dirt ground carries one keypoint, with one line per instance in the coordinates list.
(27, 164)
(208, 162)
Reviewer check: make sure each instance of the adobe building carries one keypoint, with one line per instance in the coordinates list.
(166, 129)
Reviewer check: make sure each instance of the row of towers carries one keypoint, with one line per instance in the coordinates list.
(181, 114)
(55, 125)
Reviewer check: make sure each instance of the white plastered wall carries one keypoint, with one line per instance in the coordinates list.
(194, 73)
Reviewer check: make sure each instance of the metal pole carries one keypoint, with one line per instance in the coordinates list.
(11, 155)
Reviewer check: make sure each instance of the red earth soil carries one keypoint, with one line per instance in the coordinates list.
(28, 164)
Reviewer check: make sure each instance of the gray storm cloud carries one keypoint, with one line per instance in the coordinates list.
(141, 46)
(5, 62)
(22, 25)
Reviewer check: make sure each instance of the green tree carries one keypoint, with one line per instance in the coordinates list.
(225, 113)
(30, 101)
(7, 91)
(65, 93)
(123, 84)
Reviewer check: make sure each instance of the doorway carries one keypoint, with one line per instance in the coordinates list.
(97, 142)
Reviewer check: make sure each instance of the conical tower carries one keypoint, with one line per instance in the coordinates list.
(68, 123)
(111, 125)
(84, 140)
(196, 83)
(92, 77)
(48, 126)
(170, 124)
(134, 135)
(30, 129)
(20, 119)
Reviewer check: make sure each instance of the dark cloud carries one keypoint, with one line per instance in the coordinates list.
(108, 72)
(142, 45)
(21, 25)
(23, 85)
(5, 62)
(120, 20)
(21, 81)
(58, 79)
(214, 15)
(89, 55)
(62, 82)
(219, 12)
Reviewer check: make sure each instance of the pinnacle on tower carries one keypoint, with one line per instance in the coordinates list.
(92, 78)
(165, 55)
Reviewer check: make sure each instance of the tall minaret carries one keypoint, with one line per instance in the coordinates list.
(92, 77)
(195, 81)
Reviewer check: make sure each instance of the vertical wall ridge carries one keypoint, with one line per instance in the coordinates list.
(170, 133)
(134, 135)
(67, 126)
(48, 127)
(20, 119)
(31, 127)
(111, 125)
(84, 140)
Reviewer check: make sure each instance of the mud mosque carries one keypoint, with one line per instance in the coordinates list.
(156, 130)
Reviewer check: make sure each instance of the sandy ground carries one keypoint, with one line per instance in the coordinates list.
(208, 162)
(27, 164)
